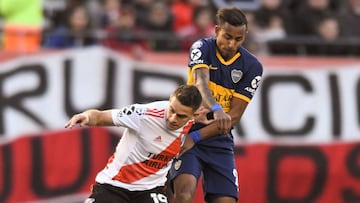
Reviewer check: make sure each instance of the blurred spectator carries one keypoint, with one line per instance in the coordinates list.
(159, 27)
(328, 29)
(326, 41)
(274, 17)
(294, 5)
(249, 5)
(251, 42)
(183, 10)
(59, 16)
(203, 26)
(274, 30)
(124, 35)
(76, 32)
(142, 8)
(275, 26)
(308, 15)
(109, 13)
(350, 20)
(23, 24)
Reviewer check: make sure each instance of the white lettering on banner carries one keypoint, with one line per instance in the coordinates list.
(309, 106)
(42, 92)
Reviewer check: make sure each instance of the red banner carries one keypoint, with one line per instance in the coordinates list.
(320, 162)
(54, 164)
(328, 173)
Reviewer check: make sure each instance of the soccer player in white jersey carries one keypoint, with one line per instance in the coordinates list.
(136, 172)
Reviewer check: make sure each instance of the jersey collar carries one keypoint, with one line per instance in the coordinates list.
(228, 62)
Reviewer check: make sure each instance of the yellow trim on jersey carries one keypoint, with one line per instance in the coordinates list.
(190, 71)
(190, 80)
(230, 61)
(243, 97)
(200, 66)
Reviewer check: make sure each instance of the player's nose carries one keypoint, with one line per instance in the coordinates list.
(172, 117)
(231, 44)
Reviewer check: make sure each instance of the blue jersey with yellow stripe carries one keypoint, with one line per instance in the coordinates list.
(237, 77)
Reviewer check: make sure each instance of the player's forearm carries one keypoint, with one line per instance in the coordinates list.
(203, 86)
(212, 129)
(235, 118)
(207, 97)
(205, 132)
(99, 118)
(209, 131)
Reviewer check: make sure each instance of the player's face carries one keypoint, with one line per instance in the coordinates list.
(177, 114)
(229, 39)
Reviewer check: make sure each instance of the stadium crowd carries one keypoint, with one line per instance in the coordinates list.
(308, 27)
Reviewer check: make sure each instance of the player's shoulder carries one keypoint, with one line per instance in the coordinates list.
(203, 43)
(250, 58)
(143, 107)
(163, 104)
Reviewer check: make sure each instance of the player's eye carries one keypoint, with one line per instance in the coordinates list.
(227, 37)
(181, 116)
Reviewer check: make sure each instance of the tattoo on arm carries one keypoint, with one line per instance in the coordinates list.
(202, 83)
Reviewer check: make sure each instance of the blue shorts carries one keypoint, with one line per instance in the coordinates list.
(217, 166)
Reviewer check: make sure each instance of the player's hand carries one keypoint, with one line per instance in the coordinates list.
(81, 119)
(187, 144)
(223, 121)
(200, 115)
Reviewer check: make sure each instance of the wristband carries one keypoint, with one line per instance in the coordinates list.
(210, 115)
(216, 107)
(195, 135)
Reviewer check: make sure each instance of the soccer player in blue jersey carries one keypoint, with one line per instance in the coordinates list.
(227, 76)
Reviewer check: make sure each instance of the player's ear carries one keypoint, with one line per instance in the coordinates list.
(217, 29)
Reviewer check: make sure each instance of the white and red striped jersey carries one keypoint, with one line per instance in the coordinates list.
(144, 153)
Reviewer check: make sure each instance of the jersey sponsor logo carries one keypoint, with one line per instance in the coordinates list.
(251, 90)
(195, 54)
(158, 161)
(222, 95)
(196, 62)
(236, 75)
(153, 163)
(255, 82)
(197, 45)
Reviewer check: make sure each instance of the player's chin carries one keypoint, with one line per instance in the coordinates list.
(172, 126)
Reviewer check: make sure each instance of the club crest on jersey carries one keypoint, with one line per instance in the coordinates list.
(236, 75)
(177, 164)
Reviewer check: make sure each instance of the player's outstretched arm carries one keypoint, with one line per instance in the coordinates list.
(91, 117)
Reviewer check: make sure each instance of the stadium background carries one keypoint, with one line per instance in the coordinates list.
(298, 142)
